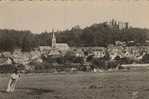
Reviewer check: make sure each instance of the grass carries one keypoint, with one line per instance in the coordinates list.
(108, 85)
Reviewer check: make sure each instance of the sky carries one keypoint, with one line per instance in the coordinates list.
(39, 16)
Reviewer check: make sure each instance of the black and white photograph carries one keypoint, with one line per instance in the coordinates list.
(74, 49)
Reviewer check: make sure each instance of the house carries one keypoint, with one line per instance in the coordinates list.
(62, 46)
(4, 61)
(44, 49)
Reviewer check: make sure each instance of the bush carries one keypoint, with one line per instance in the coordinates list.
(78, 60)
(98, 62)
(126, 60)
(103, 63)
(7, 68)
(55, 59)
(145, 58)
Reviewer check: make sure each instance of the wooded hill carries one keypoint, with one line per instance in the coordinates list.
(95, 35)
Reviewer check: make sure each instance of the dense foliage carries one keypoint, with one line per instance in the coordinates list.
(94, 35)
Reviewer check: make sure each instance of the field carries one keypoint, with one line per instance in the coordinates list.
(106, 85)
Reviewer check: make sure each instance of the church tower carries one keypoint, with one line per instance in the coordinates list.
(53, 39)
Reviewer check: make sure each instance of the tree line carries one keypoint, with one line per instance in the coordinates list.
(95, 35)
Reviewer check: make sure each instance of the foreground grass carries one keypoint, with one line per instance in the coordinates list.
(109, 85)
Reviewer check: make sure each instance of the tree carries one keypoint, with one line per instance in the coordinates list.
(29, 42)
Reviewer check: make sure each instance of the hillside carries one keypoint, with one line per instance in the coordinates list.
(101, 34)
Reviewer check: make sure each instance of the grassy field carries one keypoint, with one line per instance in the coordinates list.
(109, 85)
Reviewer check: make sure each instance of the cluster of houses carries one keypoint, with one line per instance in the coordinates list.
(63, 48)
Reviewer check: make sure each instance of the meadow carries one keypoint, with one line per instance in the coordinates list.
(79, 85)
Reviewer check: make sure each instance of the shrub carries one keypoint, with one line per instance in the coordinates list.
(126, 60)
(145, 58)
(7, 68)
(78, 60)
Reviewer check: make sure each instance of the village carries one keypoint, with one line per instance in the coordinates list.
(74, 49)
(75, 57)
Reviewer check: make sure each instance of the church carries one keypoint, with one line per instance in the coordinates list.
(56, 48)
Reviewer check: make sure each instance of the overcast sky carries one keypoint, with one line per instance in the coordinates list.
(39, 16)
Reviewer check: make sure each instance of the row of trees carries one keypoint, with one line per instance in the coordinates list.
(12, 39)
(102, 35)
(94, 35)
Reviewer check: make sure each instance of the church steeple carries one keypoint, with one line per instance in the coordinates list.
(53, 39)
